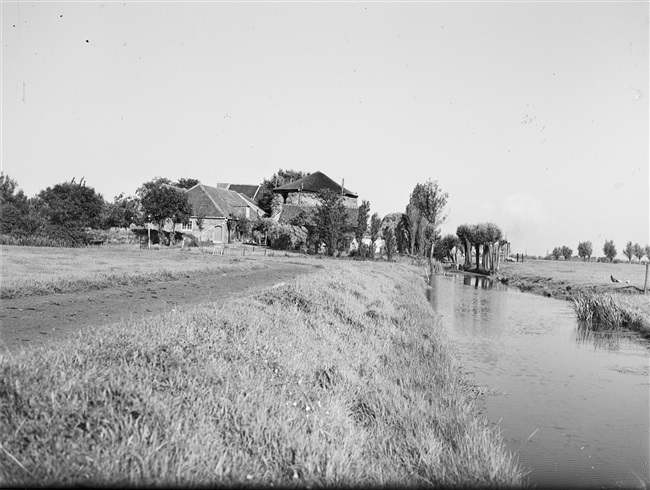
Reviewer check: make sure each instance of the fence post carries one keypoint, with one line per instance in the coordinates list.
(645, 286)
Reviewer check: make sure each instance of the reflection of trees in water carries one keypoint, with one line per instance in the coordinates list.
(483, 283)
(477, 281)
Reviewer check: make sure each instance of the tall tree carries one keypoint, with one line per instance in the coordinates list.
(375, 229)
(402, 234)
(628, 251)
(362, 221)
(585, 249)
(431, 202)
(331, 219)
(390, 244)
(639, 251)
(609, 250)
(413, 220)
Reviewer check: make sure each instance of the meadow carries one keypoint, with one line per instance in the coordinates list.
(599, 302)
(340, 377)
(29, 271)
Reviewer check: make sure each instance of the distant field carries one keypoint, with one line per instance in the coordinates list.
(41, 270)
(584, 274)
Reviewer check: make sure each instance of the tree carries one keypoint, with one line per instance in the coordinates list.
(186, 183)
(585, 249)
(448, 247)
(412, 220)
(390, 244)
(647, 251)
(375, 228)
(162, 202)
(464, 234)
(629, 251)
(430, 202)
(609, 250)
(639, 251)
(491, 236)
(122, 212)
(362, 226)
(282, 177)
(15, 215)
(566, 252)
(478, 236)
(331, 216)
(556, 253)
(402, 233)
(72, 205)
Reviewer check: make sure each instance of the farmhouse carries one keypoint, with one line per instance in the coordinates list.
(217, 206)
(302, 195)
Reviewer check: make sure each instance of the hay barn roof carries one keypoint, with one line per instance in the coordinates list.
(315, 182)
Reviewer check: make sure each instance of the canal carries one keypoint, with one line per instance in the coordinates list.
(574, 407)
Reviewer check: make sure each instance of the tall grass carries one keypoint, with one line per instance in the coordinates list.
(605, 311)
(340, 378)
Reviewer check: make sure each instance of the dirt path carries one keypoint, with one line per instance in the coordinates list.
(40, 320)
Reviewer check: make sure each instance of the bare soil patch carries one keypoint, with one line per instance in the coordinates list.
(36, 321)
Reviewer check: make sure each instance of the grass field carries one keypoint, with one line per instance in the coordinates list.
(42, 270)
(589, 286)
(342, 377)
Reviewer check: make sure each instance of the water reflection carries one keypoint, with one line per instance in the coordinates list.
(482, 282)
(564, 383)
(606, 340)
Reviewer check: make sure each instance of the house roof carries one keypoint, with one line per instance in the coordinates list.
(248, 190)
(313, 183)
(215, 202)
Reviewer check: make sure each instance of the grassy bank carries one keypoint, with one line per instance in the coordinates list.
(28, 271)
(339, 378)
(598, 301)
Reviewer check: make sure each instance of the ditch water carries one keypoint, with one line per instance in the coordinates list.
(573, 407)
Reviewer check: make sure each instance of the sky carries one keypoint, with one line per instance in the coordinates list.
(530, 115)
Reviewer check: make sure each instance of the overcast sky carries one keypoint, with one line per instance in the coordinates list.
(531, 115)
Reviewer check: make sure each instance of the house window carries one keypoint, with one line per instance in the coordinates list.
(188, 226)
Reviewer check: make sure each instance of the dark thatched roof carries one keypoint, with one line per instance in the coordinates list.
(249, 190)
(315, 182)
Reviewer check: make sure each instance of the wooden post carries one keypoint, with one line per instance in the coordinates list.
(645, 286)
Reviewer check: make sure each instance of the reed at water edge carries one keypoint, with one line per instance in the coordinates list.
(604, 311)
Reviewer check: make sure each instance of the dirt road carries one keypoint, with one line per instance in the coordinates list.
(40, 320)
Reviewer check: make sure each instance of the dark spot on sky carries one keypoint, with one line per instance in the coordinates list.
(61, 15)
(87, 40)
